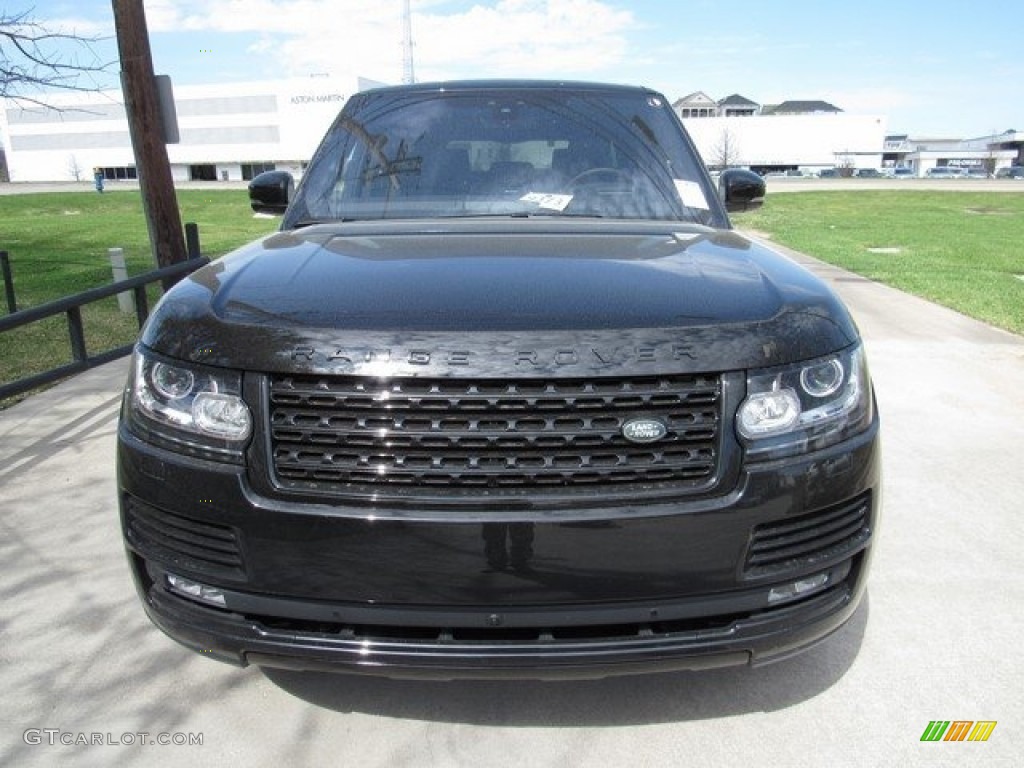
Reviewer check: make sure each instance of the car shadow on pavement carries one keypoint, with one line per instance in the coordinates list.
(74, 434)
(77, 653)
(633, 700)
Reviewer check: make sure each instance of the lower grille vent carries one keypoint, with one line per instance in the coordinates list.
(820, 537)
(195, 546)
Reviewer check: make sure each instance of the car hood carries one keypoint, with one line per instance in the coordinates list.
(499, 296)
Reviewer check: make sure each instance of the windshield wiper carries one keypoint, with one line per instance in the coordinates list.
(329, 220)
(551, 213)
(521, 215)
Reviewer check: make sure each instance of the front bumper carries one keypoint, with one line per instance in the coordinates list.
(584, 651)
(567, 594)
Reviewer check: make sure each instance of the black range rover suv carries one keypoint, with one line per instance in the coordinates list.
(506, 396)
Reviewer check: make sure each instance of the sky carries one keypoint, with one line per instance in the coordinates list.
(937, 70)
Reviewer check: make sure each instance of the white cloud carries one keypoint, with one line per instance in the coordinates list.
(524, 37)
(163, 15)
(507, 37)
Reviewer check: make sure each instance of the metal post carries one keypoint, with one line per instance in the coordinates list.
(141, 305)
(192, 240)
(5, 266)
(77, 333)
(126, 301)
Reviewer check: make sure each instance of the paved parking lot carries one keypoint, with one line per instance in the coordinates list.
(937, 638)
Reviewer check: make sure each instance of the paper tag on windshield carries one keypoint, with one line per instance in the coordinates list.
(548, 200)
(691, 194)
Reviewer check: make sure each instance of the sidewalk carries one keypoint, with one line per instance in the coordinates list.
(67, 419)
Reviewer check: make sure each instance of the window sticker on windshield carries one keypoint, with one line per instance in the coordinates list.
(548, 200)
(691, 194)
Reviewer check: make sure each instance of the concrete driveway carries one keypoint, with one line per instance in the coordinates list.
(937, 638)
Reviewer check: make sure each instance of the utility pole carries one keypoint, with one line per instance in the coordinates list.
(142, 105)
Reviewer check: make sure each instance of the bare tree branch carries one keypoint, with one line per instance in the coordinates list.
(35, 59)
(726, 151)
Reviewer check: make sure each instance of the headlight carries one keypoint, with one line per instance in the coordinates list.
(188, 408)
(805, 407)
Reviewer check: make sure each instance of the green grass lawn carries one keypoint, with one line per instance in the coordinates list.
(961, 249)
(58, 244)
(58, 241)
(964, 250)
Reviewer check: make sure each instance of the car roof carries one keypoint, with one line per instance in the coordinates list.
(455, 86)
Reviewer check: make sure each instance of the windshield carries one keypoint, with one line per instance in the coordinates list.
(553, 152)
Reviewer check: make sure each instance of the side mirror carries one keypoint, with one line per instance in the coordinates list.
(741, 190)
(271, 191)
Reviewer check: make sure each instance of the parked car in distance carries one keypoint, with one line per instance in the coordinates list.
(1013, 172)
(506, 395)
(944, 172)
(904, 173)
(828, 173)
(869, 173)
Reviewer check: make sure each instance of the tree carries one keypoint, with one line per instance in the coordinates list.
(845, 164)
(991, 161)
(74, 168)
(34, 58)
(726, 152)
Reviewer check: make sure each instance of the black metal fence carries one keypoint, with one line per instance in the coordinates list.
(71, 308)
(5, 270)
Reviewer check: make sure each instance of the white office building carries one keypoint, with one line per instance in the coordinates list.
(793, 135)
(233, 131)
(228, 132)
(984, 154)
(784, 142)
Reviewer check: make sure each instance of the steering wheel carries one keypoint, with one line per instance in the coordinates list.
(590, 174)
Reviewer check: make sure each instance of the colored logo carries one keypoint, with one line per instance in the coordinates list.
(644, 430)
(958, 730)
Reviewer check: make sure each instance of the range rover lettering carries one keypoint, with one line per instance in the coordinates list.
(505, 396)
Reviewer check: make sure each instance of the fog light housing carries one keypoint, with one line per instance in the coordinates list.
(195, 590)
(798, 589)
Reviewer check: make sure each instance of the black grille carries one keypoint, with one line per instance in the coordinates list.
(347, 434)
(189, 544)
(817, 538)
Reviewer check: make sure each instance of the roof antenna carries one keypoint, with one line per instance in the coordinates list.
(408, 75)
